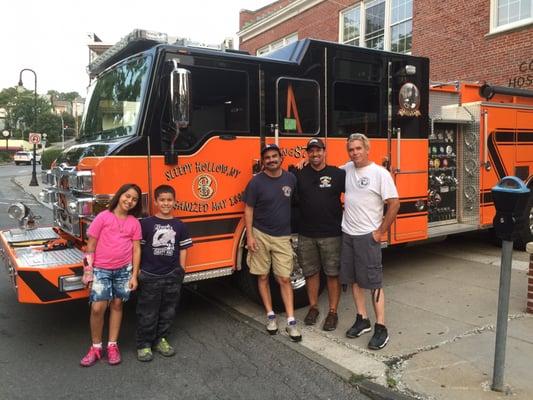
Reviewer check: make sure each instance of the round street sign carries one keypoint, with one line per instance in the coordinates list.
(35, 138)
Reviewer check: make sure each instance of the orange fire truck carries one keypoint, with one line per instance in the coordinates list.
(196, 118)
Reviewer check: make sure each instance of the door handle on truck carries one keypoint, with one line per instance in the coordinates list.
(486, 162)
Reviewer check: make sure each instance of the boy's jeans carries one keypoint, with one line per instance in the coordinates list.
(157, 300)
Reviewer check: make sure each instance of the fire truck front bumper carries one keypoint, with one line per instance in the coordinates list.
(40, 275)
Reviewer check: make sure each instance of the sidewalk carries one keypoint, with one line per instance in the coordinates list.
(441, 318)
(441, 311)
(24, 182)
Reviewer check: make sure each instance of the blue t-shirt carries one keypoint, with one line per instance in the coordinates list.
(271, 200)
(162, 240)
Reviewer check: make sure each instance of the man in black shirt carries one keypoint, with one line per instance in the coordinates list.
(319, 188)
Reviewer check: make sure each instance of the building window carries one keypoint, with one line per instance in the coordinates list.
(378, 24)
(509, 14)
(375, 24)
(401, 26)
(350, 26)
(278, 44)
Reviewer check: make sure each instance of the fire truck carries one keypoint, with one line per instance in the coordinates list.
(160, 112)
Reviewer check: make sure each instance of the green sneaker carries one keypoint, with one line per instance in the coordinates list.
(145, 354)
(164, 348)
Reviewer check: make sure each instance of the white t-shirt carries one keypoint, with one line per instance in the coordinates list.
(367, 189)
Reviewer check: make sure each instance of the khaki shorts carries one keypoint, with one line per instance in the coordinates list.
(317, 253)
(275, 251)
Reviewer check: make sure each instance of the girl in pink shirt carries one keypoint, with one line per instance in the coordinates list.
(111, 266)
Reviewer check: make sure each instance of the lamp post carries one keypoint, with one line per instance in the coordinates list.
(62, 132)
(5, 134)
(33, 181)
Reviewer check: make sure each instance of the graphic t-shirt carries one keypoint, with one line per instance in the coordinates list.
(115, 236)
(271, 200)
(162, 240)
(318, 194)
(366, 190)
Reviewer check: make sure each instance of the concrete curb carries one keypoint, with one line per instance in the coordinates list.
(17, 182)
(365, 386)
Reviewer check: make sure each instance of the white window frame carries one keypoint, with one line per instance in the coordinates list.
(269, 48)
(494, 28)
(363, 4)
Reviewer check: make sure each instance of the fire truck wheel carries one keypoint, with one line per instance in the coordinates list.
(525, 230)
(248, 284)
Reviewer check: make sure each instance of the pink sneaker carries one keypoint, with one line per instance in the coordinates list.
(113, 354)
(91, 357)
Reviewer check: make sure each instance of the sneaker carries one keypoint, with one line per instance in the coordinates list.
(113, 354)
(312, 315)
(294, 333)
(272, 325)
(359, 327)
(91, 357)
(380, 337)
(145, 354)
(330, 324)
(164, 348)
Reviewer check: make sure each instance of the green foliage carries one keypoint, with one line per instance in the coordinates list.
(51, 125)
(48, 157)
(5, 157)
(68, 96)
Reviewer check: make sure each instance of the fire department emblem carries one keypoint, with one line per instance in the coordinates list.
(409, 99)
(325, 181)
(204, 186)
(287, 190)
(363, 182)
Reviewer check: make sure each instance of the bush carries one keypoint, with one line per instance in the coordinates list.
(48, 157)
(5, 157)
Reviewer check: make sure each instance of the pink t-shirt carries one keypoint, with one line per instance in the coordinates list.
(115, 236)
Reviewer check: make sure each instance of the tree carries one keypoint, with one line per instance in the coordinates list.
(67, 96)
(50, 124)
(70, 124)
(21, 110)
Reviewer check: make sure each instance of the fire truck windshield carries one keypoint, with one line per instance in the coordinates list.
(114, 101)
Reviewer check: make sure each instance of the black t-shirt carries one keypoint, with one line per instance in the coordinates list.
(271, 200)
(161, 244)
(318, 198)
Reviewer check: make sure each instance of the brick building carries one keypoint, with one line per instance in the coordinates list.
(477, 40)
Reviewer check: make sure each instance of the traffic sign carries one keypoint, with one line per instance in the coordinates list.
(35, 138)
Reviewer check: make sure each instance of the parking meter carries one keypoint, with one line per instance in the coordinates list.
(510, 197)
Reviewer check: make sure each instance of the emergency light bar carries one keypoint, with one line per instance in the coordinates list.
(145, 39)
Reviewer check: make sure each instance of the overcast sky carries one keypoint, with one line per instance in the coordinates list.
(50, 36)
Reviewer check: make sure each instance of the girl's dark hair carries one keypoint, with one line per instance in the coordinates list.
(135, 211)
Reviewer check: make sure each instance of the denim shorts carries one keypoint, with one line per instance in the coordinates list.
(109, 284)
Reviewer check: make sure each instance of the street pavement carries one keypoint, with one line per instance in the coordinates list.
(441, 309)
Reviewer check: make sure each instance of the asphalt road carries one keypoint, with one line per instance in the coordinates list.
(218, 356)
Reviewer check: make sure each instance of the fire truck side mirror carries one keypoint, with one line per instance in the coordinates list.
(180, 96)
(510, 197)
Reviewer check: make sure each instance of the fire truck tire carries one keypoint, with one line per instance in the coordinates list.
(247, 283)
(525, 229)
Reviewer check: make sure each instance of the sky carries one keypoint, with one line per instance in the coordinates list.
(51, 36)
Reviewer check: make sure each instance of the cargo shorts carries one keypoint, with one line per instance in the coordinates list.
(361, 261)
(317, 253)
(274, 251)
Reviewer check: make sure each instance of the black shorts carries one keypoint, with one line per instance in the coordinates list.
(361, 261)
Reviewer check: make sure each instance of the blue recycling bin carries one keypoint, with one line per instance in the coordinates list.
(510, 197)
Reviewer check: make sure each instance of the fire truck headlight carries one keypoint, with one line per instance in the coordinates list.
(81, 181)
(70, 283)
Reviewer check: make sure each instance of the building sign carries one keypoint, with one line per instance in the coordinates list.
(524, 78)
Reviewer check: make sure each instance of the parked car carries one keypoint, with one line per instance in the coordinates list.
(26, 157)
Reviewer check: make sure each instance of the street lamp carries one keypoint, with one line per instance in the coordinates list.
(62, 132)
(33, 181)
(5, 134)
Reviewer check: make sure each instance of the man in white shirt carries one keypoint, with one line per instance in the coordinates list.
(368, 188)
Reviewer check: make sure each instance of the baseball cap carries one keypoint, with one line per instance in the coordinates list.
(271, 146)
(315, 142)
